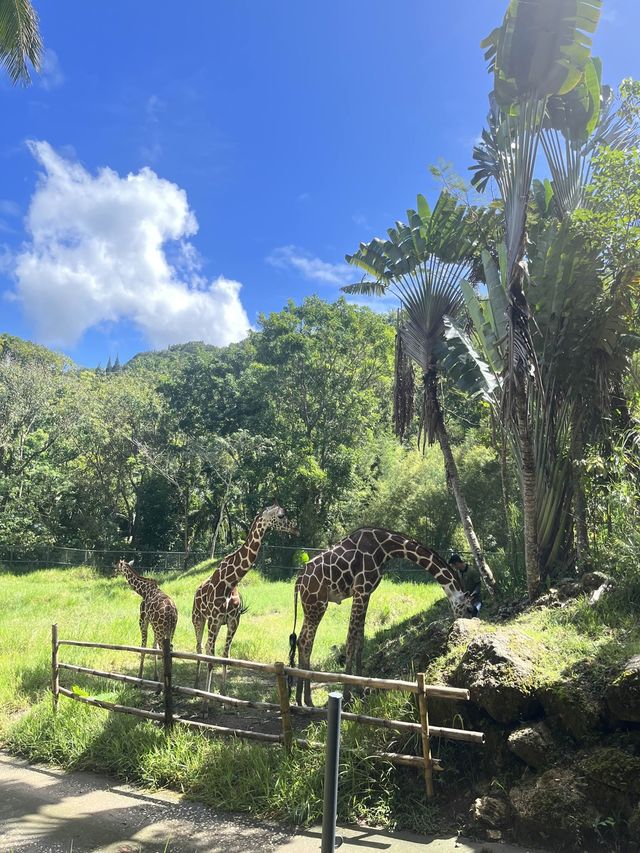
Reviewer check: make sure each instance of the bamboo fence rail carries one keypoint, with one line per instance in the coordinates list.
(282, 708)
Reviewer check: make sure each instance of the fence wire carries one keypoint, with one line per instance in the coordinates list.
(274, 561)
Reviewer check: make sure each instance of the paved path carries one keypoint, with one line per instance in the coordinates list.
(44, 810)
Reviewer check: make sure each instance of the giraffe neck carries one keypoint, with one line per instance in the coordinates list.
(247, 554)
(397, 545)
(139, 584)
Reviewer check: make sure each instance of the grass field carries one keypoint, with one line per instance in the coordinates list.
(227, 774)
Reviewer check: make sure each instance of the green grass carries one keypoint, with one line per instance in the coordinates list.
(227, 774)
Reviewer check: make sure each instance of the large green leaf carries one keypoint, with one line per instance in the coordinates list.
(541, 49)
(462, 363)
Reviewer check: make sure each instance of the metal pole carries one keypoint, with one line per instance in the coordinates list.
(55, 672)
(330, 809)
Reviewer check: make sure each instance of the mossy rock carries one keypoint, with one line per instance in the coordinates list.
(612, 778)
(534, 744)
(574, 706)
(500, 680)
(623, 693)
(553, 809)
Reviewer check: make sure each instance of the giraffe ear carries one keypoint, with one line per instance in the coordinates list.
(130, 563)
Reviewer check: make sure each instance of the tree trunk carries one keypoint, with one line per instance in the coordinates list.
(529, 504)
(581, 534)
(583, 551)
(436, 421)
(187, 531)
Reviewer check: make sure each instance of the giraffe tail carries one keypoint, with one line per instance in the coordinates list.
(243, 607)
(293, 637)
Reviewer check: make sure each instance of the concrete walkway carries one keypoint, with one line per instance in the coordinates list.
(44, 810)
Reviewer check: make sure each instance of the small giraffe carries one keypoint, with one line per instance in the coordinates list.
(156, 609)
(353, 569)
(217, 601)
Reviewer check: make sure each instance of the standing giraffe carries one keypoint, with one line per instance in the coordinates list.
(353, 569)
(156, 609)
(217, 601)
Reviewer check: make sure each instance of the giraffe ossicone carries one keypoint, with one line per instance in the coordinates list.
(353, 568)
(217, 601)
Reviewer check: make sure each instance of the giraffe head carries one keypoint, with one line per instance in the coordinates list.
(123, 567)
(276, 518)
(464, 604)
(126, 568)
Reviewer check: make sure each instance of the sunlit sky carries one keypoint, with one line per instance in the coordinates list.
(170, 175)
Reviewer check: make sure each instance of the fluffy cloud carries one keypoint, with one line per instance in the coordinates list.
(315, 269)
(104, 248)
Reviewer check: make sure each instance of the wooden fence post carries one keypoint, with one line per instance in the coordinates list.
(426, 748)
(55, 672)
(285, 708)
(167, 691)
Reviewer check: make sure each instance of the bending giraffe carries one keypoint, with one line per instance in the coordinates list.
(156, 609)
(353, 569)
(217, 601)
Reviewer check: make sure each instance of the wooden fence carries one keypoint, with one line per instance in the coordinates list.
(284, 708)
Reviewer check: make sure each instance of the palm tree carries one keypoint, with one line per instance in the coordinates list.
(20, 41)
(539, 56)
(423, 263)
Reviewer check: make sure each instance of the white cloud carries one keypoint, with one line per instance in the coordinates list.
(9, 208)
(98, 253)
(315, 269)
(51, 76)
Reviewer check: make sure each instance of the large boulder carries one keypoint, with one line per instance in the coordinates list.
(552, 809)
(574, 707)
(463, 631)
(623, 693)
(499, 679)
(534, 745)
(611, 777)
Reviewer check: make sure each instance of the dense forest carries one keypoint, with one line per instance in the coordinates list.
(181, 447)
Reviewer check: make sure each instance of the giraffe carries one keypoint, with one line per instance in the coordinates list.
(156, 608)
(217, 601)
(353, 569)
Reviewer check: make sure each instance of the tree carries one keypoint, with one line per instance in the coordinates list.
(20, 41)
(539, 58)
(423, 263)
(323, 373)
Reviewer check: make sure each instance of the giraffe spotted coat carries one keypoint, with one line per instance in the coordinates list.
(353, 569)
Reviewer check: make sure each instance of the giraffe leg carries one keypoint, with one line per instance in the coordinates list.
(312, 619)
(355, 638)
(144, 628)
(233, 620)
(198, 624)
(214, 630)
(156, 645)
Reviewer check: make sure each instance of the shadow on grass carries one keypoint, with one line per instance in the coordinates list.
(403, 648)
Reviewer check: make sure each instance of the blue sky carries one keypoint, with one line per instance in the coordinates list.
(192, 170)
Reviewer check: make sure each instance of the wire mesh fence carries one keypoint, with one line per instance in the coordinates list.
(277, 562)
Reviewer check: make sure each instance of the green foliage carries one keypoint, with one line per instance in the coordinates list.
(20, 41)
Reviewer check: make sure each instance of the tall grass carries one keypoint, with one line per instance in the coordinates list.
(227, 774)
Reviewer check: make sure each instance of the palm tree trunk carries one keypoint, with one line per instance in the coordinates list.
(436, 425)
(583, 553)
(529, 503)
